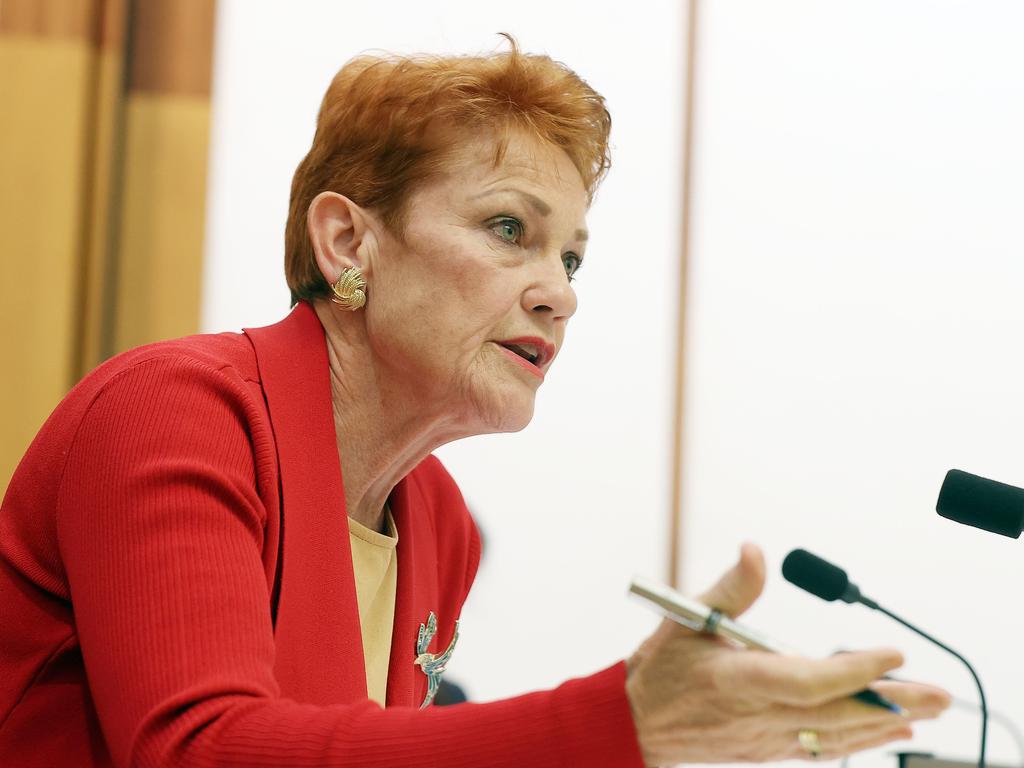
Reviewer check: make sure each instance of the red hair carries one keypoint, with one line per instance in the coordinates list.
(372, 142)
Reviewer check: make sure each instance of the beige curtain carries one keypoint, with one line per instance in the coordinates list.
(104, 123)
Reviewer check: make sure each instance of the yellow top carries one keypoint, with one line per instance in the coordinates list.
(375, 563)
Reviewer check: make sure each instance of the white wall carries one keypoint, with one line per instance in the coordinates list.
(577, 503)
(856, 320)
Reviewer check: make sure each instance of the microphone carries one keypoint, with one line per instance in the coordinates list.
(982, 503)
(822, 579)
(830, 582)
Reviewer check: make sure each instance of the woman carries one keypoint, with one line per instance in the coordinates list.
(234, 549)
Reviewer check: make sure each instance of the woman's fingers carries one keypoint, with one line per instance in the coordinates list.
(842, 714)
(844, 742)
(920, 700)
(802, 682)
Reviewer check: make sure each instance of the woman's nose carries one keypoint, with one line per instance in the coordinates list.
(550, 291)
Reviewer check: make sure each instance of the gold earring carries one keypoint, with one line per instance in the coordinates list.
(350, 290)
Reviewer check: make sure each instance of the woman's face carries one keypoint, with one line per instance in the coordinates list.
(469, 310)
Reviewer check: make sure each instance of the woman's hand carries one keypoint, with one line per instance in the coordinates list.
(697, 699)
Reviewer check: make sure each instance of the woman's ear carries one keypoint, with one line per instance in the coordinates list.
(340, 233)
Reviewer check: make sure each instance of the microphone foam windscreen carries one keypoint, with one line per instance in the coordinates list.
(982, 503)
(817, 576)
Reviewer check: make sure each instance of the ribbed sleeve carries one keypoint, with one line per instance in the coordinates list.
(583, 722)
(160, 527)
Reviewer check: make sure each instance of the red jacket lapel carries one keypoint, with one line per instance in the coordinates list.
(438, 552)
(406, 683)
(319, 650)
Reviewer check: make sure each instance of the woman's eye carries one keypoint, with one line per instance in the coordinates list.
(508, 229)
(571, 262)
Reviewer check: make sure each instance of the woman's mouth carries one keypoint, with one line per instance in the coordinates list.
(532, 354)
(526, 351)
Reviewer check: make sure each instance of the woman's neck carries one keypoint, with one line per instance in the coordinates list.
(382, 431)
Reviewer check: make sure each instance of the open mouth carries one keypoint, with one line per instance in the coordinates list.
(535, 352)
(528, 352)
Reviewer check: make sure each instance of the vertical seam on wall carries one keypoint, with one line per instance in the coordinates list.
(111, 264)
(94, 43)
(676, 517)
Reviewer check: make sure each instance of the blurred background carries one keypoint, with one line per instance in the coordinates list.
(815, 211)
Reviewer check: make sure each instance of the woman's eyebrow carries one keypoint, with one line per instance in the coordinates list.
(539, 205)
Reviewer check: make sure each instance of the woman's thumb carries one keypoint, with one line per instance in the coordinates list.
(740, 586)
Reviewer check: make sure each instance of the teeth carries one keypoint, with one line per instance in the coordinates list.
(527, 351)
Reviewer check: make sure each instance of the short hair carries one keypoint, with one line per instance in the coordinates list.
(377, 140)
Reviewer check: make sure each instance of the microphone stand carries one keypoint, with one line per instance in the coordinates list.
(822, 579)
(977, 681)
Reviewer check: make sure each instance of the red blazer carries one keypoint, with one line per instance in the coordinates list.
(176, 584)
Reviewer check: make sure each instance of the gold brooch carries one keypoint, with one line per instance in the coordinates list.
(433, 665)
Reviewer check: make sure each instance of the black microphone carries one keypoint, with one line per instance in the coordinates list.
(830, 582)
(982, 503)
(821, 578)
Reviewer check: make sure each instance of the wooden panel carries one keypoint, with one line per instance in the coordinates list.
(68, 19)
(162, 216)
(43, 87)
(101, 212)
(94, 310)
(172, 46)
(163, 195)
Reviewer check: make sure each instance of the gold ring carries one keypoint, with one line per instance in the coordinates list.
(808, 739)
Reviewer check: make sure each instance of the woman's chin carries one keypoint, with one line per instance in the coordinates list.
(514, 420)
(507, 414)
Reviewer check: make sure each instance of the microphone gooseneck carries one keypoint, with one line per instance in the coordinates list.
(974, 674)
(830, 582)
(982, 503)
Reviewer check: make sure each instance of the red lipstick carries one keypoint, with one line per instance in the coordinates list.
(545, 353)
